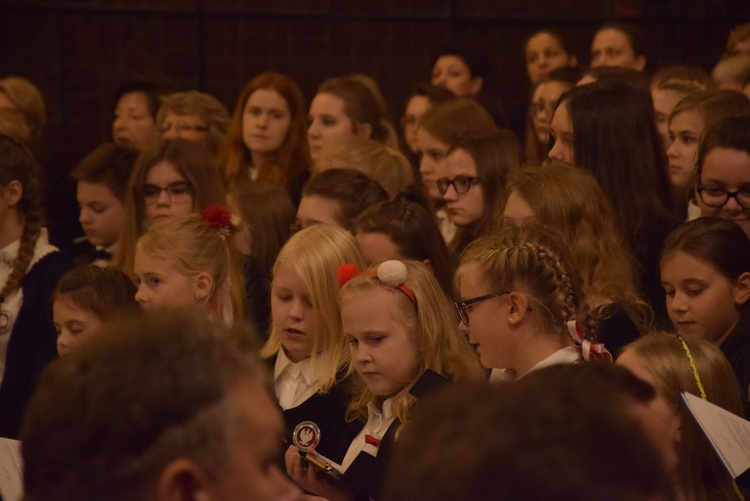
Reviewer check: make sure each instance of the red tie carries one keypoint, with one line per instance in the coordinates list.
(369, 439)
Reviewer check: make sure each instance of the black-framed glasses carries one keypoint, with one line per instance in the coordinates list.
(716, 197)
(180, 126)
(461, 306)
(461, 184)
(178, 192)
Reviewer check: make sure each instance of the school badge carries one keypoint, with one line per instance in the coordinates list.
(306, 435)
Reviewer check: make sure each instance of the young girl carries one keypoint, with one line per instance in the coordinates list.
(29, 270)
(723, 178)
(477, 169)
(267, 142)
(85, 298)
(398, 325)
(521, 295)
(673, 365)
(569, 200)
(175, 177)
(705, 271)
(189, 261)
(305, 344)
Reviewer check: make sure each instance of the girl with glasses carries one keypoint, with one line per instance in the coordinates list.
(521, 295)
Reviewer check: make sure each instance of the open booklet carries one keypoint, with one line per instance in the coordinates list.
(11, 487)
(728, 433)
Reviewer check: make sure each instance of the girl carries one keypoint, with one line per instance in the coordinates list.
(29, 270)
(546, 51)
(403, 229)
(705, 271)
(521, 294)
(398, 325)
(477, 167)
(688, 122)
(617, 44)
(85, 299)
(188, 261)
(175, 177)
(346, 107)
(569, 200)
(673, 365)
(305, 345)
(723, 177)
(422, 98)
(266, 142)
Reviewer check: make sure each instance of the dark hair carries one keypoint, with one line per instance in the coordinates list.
(562, 41)
(615, 137)
(433, 93)
(721, 243)
(414, 231)
(638, 80)
(104, 291)
(635, 36)
(353, 191)
(732, 133)
(475, 60)
(151, 89)
(109, 164)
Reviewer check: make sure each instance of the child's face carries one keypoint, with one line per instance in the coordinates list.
(380, 347)
(292, 312)
(684, 132)
(701, 301)
(328, 122)
(466, 208)
(161, 285)
(727, 170)
(102, 214)
(432, 162)
(72, 323)
(167, 193)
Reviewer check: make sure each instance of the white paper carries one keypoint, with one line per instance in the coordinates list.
(728, 433)
(11, 468)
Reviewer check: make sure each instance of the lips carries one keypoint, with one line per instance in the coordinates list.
(292, 332)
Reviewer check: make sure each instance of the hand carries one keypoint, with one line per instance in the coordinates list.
(307, 477)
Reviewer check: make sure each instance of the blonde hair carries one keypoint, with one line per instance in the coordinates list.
(193, 246)
(700, 471)
(13, 125)
(385, 165)
(28, 101)
(570, 200)
(315, 253)
(433, 328)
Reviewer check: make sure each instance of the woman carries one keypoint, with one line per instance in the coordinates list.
(546, 51)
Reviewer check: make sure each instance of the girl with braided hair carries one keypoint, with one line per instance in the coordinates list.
(521, 295)
(29, 269)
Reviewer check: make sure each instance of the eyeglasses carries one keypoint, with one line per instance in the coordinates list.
(716, 197)
(461, 184)
(178, 192)
(461, 307)
(180, 126)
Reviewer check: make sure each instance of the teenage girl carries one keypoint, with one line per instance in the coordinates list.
(398, 324)
(705, 271)
(267, 142)
(29, 270)
(569, 200)
(672, 365)
(174, 177)
(520, 297)
(722, 185)
(85, 299)
(305, 346)
(189, 261)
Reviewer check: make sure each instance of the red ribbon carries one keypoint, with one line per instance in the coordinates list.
(369, 439)
(589, 350)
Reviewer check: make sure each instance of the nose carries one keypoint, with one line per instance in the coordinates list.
(677, 303)
(450, 194)
(140, 296)
(362, 354)
(163, 199)
(296, 311)
(425, 165)
(313, 131)
(170, 133)
(555, 153)
(732, 206)
(263, 121)
(118, 123)
(672, 150)
(63, 343)
(85, 216)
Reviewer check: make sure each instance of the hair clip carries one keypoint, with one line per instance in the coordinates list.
(218, 218)
(589, 350)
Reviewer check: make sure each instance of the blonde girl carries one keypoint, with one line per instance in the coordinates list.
(398, 324)
(520, 296)
(673, 365)
(191, 260)
(305, 344)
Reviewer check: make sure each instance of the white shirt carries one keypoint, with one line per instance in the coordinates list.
(447, 228)
(12, 305)
(567, 355)
(378, 422)
(294, 383)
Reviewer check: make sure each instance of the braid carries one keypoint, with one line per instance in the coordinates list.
(31, 229)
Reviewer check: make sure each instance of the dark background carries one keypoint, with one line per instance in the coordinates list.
(78, 51)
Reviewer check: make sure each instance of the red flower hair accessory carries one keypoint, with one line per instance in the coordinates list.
(218, 218)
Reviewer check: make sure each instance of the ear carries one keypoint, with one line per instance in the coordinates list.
(428, 263)
(640, 63)
(204, 286)
(182, 480)
(12, 193)
(742, 289)
(519, 305)
(364, 130)
(476, 85)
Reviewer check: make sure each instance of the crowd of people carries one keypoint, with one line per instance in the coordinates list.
(296, 299)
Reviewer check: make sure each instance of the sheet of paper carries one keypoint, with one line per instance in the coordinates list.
(728, 433)
(11, 467)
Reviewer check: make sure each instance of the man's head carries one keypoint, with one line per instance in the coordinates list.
(167, 407)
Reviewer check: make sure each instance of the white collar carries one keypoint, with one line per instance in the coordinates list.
(568, 355)
(284, 364)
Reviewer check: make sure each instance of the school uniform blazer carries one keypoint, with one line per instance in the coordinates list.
(33, 341)
(736, 347)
